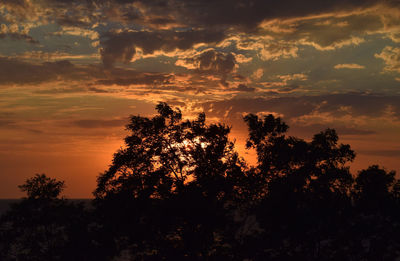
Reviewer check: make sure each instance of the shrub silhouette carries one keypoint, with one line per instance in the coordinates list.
(41, 186)
(179, 190)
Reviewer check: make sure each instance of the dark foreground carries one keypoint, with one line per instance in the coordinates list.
(179, 191)
(6, 204)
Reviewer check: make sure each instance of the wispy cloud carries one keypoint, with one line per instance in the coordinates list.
(349, 66)
(391, 56)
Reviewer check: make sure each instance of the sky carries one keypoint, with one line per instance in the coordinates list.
(73, 71)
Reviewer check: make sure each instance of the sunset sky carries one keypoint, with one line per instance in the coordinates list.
(71, 73)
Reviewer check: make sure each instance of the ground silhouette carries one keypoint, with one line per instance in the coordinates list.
(178, 190)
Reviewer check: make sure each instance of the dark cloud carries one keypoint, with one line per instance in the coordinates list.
(361, 104)
(355, 104)
(136, 78)
(292, 106)
(212, 62)
(215, 62)
(176, 102)
(61, 90)
(206, 13)
(121, 47)
(98, 90)
(289, 88)
(243, 14)
(18, 36)
(219, 14)
(13, 71)
(245, 88)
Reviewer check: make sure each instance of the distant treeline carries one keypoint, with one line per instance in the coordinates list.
(178, 190)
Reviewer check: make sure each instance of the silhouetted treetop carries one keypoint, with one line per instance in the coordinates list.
(374, 184)
(276, 151)
(163, 153)
(288, 165)
(326, 149)
(42, 187)
(260, 129)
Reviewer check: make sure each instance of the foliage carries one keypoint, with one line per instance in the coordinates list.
(183, 171)
(43, 226)
(41, 186)
(179, 190)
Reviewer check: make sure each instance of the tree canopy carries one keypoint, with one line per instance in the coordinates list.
(41, 186)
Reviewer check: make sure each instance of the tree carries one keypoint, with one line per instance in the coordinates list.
(304, 187)
(313, 165)
(42, 187)
(163, 154)
(184, 168)
(44, 226)
(373, 187)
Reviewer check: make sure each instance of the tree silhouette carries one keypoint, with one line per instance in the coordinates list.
(374, 184)
(177, 175)
(43, 187)
(43, 226)
(303, 188)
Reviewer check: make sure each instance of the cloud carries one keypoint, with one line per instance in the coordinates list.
(289, 88)
(14, 32)
(137, 78)
(52, 56)
(354, 104)
(213, 61)
(293, 77)
(245, 88)
(240, 58)
(279, 49)
(61, 90)
(13, 71)
(336, 28)
(121, 47)
(246, 15)
(18, 36)
(391, 56)
(210, 63)
(257, 74)
(267, 46)
(286, 37)
(349, 66)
